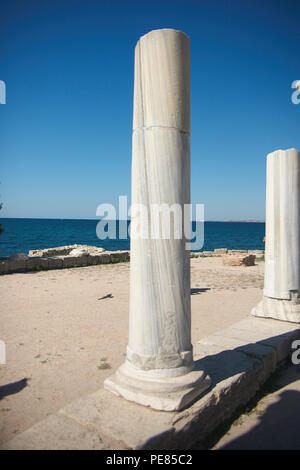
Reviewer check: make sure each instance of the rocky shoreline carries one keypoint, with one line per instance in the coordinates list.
(73, 256)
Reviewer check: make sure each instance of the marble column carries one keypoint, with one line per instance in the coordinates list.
(281, 295)
(159, 370)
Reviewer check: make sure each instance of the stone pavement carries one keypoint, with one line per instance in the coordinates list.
(238, 359)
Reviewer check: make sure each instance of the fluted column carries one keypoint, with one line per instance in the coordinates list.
(281, 295)
(158, 371)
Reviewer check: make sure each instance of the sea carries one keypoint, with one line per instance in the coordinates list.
(21, 235)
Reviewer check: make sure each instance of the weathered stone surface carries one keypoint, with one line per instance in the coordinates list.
(94, 259)
(115, 257)
(234, 383)
(279, 309)
(79, 252)
(235, 260)
(233, 376)
(264, 328)
(56, 432)
(220, 251)
(237, 368)
(55, 262)
(36, 263)
(159, 362)
(206, 253)
(104, 258)
(281, 296)
(257, 253)
(106, 413)
(233, 339)
(85, 257)
(69, 261)
(16, 266)
(55, 251)
(160, 391)
(161, 123)
(124, 255)
(282, 267)
(3, 267)
(131, 426)
(82, 260)
(118, 256)
(277, 334)
(66, 250)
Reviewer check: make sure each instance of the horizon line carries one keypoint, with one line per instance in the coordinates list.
(87, 218)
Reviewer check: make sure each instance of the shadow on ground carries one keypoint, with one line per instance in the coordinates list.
(13, 387)
(195, 290)
(283, 417)
(278, 427)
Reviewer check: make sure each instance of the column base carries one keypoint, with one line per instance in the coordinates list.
(278, 309)
(152, 388)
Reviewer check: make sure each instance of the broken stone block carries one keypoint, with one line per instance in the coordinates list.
(239, 260)
(220, 251)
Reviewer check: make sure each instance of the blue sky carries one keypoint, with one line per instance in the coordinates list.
(65, 131)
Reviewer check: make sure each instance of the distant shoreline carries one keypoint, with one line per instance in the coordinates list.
(59, 218)
(246, 221)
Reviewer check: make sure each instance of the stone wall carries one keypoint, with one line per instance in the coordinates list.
(62, 257)
(225, 251)
(65, 250)
(38, 260)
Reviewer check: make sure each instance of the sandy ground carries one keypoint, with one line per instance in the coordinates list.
(63, 337)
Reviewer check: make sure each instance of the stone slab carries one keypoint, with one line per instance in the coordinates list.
(258, 253)
(83, 260)
(268, 332)
(69, 261)
(160, 393)
(65, 250)
(15, 266)
(234, 340)
(40, 261)
(56, 432)
(238, 260)
(36, 263)
(118, 419)
(94, 259)
(115, 256)
(104, 258)
(139, 427)
(55, 262)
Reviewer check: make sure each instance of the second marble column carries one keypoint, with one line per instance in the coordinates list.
(281, 296)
